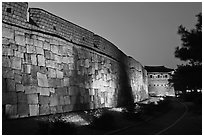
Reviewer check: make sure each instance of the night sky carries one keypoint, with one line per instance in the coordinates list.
(145, 31)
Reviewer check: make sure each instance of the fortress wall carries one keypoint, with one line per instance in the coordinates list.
(50, 65)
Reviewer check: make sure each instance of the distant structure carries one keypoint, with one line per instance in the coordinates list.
(158, 84)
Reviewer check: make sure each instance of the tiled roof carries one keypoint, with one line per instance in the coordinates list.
(158, 69)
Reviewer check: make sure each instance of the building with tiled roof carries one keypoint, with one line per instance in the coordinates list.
(158, 84)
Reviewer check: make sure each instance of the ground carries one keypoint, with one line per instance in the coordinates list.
(173, 117)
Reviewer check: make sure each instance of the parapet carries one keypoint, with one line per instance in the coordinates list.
(14, 12)
(134, 64)
(56, 25)
(44, 21)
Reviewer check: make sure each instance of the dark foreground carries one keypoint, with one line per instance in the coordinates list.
(170, 117)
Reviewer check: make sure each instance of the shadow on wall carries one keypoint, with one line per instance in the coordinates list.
(81, 98)
(4, 85)
(80, 95)
(125, 96)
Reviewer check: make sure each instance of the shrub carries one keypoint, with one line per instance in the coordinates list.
(105, 121)
(56, 128)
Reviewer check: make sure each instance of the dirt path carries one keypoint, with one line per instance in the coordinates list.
(178, 121)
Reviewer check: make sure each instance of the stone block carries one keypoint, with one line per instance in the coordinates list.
(52, 90)
(91, 98)
(33, 59)
(22, 98)
(44, 109)
(49, 55)
(44, 91)
(30, 49)
(58, 59)
(39, 50)
(7, 33)
(67, 108)
(30, 89)
(7, 73)
(59, 74)
(61, 100)
(10, 85)
(42, 80)
(61, 91)
(52, 82)
(46, 45)
(65, 60)
(54, 49)
(23, 109)
(19, 88)
(38, 43)
(32, 98)
(50, 64)
(20, 40)
(6, 62)
(52, 73)
(73, 90)
(9, 98)
(18, 54)
(7, 51)
(10, 110)
(27, 58)
(75, 99)
(67, 100)
(87, 63)
(59, 109)
(41, 60)
(53, 100)
(26, 79)
(59, 83)
(5, 41)
(54, 41)
(53, 109)
(43, 70)
(44, 100)
(59, 66)
(70, 60)
(19, 32)
(91, 91)
(34, 110)
(91, 105)
(29, 41)
(81, 99)
(71, 66)
(16, 63)
(27, 69)
(66, 81)
(22, 49)
(66, 50)
(34, 70)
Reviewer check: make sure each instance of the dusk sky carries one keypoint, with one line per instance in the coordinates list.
(145, 31)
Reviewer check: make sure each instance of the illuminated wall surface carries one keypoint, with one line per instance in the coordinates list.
(50, 65)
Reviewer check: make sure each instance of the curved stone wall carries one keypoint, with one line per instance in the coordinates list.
(50, 65)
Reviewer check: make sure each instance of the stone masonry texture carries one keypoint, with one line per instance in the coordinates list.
(50, 65)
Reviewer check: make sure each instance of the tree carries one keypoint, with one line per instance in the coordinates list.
(189, 76)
